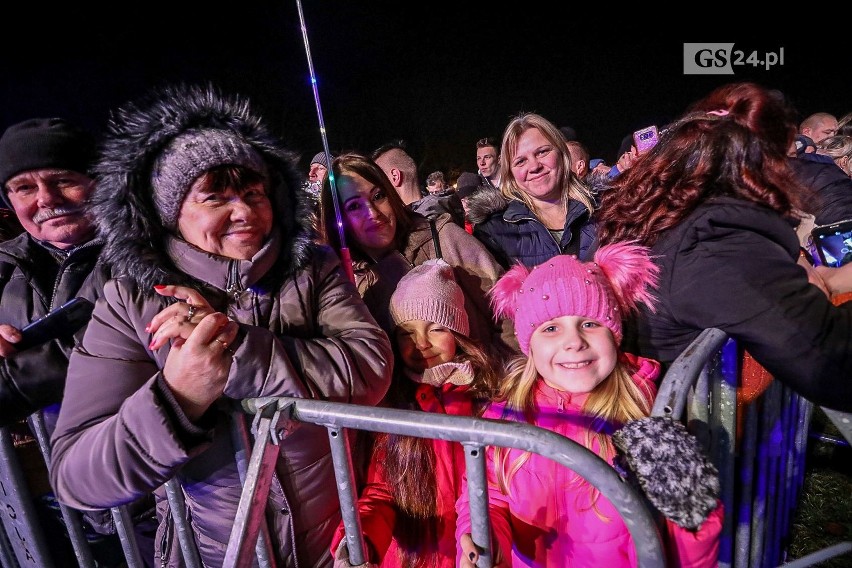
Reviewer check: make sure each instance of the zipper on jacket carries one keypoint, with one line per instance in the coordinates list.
(234, 287)
(63, 268)
(560, 405)
(165, 542)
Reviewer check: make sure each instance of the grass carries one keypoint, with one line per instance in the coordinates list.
(824, 515)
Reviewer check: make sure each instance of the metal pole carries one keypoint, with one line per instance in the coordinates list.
(344, 250)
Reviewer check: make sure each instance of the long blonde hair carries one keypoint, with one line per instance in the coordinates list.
(572, 186)
(615, 400)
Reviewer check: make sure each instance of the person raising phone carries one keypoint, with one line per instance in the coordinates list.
(716, 201)
(45, 166)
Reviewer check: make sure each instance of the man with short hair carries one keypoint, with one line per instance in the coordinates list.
(819, 126)
(401, 170)
(488, 162)
(435, 183)
(579, 158)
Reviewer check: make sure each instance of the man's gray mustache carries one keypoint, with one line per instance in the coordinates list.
(48, 214)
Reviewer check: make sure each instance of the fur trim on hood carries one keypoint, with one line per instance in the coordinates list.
(123, 205)
(484, 203)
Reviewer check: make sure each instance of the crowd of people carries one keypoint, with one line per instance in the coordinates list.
(549, 289)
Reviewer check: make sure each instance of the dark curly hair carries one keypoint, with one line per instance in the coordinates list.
(732, 143)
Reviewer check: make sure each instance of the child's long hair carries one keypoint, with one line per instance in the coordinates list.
(410, 461)
(606, 290)
(614, 401)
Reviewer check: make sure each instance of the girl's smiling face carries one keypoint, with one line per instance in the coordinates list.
(424, 344)
(573, 353)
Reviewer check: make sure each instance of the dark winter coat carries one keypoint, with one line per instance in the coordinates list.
(304, 332)
(831, 198)
(433, 206)
(34, 279)
(512, 233)
(731, 265)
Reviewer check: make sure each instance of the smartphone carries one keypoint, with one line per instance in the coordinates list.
(64, 321)
(833, 243)
(645, 139)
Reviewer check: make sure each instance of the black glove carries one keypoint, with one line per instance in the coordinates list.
(671, 468)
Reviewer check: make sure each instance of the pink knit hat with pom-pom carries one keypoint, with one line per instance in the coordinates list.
(604, 290)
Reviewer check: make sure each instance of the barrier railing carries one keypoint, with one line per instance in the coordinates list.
(272, 415)
(761, 468)
(762, 464)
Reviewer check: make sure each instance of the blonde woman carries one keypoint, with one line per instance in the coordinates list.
(542, 208)
(839, 149)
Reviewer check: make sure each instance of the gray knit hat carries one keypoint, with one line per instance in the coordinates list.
(321, 159)
(188, 156)
(429, 292)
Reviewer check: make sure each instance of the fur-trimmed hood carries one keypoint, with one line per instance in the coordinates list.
(123, 206)
(484, 203)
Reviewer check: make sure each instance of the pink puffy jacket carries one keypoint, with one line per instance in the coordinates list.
(549, 518)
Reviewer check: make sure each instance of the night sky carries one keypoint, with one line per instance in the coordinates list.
(438, 74)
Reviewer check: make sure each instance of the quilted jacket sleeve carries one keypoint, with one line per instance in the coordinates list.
(338, 352)
(113, 427)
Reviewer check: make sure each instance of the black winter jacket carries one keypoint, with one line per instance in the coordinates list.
(732, 265)
(512, 233)
(34, 279)
(831, 200)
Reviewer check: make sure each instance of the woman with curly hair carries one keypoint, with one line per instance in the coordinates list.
(716, 200)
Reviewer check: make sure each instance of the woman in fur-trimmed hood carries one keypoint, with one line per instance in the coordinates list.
(220, 295)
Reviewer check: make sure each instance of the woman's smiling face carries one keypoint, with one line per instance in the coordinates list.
(367, 211)
(224, 221)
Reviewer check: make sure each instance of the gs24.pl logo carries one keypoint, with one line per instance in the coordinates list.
(722, 58)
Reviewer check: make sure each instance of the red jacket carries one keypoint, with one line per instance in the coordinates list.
(376, 504)
(549, 519)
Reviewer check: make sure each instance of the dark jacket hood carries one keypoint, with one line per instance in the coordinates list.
(123, 206)
(484, 203)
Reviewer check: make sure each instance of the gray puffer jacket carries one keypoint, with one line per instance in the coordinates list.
(304, 332)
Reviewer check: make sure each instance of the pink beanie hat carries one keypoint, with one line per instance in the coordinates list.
(429, 292)
(604, 290)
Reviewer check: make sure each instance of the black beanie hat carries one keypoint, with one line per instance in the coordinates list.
(467, 184)
(40, 143)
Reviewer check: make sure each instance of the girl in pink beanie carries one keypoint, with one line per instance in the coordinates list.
(407, 508)
(573, 379)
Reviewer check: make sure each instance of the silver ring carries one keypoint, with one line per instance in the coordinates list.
(225, 347)
(190, 313)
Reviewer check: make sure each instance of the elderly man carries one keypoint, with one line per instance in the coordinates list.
(45, 178)
(44, 173)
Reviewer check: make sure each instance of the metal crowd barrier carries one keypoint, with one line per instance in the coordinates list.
(761, 468)
(23, 541)
(274, 415)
